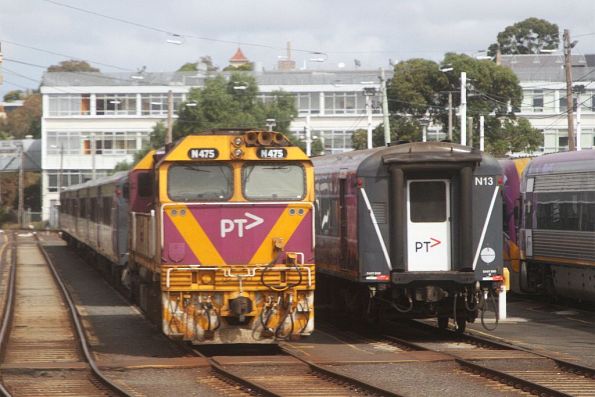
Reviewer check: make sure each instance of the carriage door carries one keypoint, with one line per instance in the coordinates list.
(428, 225)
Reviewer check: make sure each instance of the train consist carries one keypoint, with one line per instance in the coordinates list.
(557, 225)
(413, 230)
(213, 236)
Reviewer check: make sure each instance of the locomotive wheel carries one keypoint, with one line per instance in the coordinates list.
(443, 322)
(461, 324)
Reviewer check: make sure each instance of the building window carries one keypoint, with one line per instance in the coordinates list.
(71, 177)
(538, 101)
(69, 105)
(335, 141)
(563, 143)
(112, 143)
(343, 103)
(156, 104)
(115, 104)
(308, 102)
(63, 142)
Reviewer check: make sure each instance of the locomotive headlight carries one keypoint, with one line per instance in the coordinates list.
(206, 278)
(488, 255)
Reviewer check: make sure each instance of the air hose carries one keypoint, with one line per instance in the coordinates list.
(277, 288)
(484, 309)
(279, 329)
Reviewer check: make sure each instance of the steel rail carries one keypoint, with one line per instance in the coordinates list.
(564, 365)
(74, 314)
(490, 373)
(9, 302)
(339, 376)
(511, 380)
(251, 386)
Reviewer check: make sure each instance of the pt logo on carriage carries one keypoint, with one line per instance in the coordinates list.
(229, 225)
(420, 245)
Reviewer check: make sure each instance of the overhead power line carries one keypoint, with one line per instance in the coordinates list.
(64, 55)
(175, 34)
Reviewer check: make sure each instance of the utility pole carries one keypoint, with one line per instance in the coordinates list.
(308, 137)
(385, 118)
(470, 130)
(61, 171)
(1, 60)
(481, 133)
(21, 206)
(450, 116)
(368, 93)
(170, 117)
(569, 97)
(93, 154)
(578, 119)
(463, 109)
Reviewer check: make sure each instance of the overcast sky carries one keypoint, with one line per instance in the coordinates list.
(372, 31)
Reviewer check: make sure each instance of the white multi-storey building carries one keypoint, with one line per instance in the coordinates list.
(543, 81)
(92, 121)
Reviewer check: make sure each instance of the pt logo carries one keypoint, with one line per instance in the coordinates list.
(241, 224)
(426, 245)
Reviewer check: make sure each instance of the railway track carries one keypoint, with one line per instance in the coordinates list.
(288, 375)
(536, 373)
(44, 348)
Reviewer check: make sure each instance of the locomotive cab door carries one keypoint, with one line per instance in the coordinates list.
(428, 225)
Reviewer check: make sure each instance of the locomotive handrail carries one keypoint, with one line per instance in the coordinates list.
(251, 271)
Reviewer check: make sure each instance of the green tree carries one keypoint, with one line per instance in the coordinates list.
(194, 66)
(14, 95)
(491, 87)
(402, 128)
(416, 87)
(527, 37)
(26, 120)
(189, 67)
(247, 67)
(512, 135)
(72, 65)
(419, 90)
(232, 103)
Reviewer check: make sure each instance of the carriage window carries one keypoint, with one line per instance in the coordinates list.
(427, 201)
(199, 182)
(274, 182)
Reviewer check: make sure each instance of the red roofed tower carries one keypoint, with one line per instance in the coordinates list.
(238, 59)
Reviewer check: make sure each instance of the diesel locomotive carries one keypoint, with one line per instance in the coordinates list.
(213, 235)
(411, 230)
(557, 229)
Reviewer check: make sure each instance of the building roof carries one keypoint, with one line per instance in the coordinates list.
(238, 56)
(550, 67)
(9, 155)
(299, 77)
